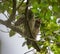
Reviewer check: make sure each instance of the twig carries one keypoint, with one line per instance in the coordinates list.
(28, 38)
(29, 51)
(20, 5)
(5, 15)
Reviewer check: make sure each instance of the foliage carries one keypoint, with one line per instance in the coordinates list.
(48, 11)
(11, 33)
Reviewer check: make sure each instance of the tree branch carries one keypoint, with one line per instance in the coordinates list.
(11, 27)
(34, 43)
(12, 16)
(20, 5)
(14, 29)
(28, 38)
(5, 15)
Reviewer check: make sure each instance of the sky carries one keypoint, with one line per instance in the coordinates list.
(11, 45)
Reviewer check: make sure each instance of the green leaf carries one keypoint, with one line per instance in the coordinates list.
(55, 8)
(48, 15)
(12, 33)
(29, 46)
